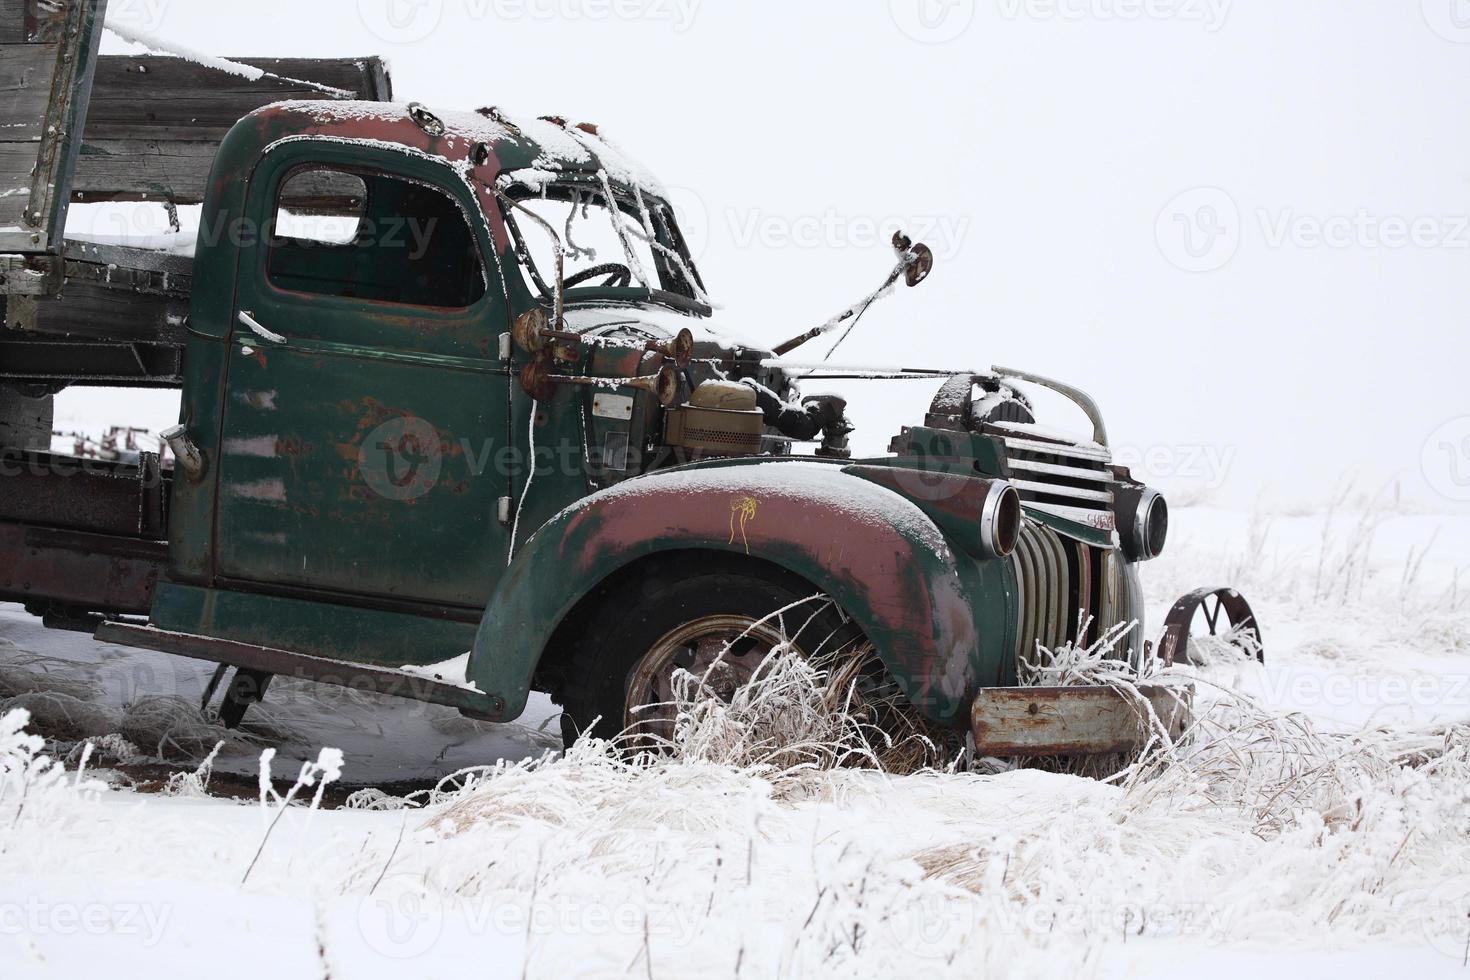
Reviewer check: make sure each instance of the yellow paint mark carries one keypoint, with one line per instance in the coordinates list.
(742, 511)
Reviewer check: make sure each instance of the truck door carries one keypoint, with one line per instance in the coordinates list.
(366, 405)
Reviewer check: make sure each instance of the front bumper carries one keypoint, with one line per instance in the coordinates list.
(1028, 722)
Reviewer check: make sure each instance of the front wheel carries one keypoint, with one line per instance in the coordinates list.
(717, 626)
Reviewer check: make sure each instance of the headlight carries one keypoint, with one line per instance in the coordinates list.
(1000, 520)
(1149, 530)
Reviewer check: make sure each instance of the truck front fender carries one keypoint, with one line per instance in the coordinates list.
(941, 620)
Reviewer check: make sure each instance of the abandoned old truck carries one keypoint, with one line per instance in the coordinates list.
(449, 383)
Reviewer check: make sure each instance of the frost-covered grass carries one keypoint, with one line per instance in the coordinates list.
(780, 838)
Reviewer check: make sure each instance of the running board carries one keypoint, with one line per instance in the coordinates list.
(247, 656)
(1029, 722)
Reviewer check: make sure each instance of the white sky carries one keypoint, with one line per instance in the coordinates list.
(1041, 151)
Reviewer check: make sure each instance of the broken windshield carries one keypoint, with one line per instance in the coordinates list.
(636, 246)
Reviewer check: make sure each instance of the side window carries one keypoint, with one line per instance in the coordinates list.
(374, 237)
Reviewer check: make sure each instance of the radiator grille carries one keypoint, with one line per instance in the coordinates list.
(1069, 591)
(1066, 479)
(1045, 581)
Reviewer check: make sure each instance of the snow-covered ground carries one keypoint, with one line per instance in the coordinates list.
(1354, 863)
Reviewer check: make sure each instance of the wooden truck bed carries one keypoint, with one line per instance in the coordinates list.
(79, 127)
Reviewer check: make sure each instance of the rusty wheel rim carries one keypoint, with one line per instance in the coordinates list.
(726, 651)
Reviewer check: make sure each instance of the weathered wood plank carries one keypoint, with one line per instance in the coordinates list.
(26, 71)
(162, 98)
(92, 310)
(1046, 721)
(13, 21)
(143, 170)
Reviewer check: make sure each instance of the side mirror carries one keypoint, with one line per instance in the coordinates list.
(919, 259)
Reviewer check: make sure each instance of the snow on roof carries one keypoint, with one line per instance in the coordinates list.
(560, 149)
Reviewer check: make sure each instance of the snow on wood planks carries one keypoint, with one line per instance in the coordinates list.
(156, 121)
(164, 98)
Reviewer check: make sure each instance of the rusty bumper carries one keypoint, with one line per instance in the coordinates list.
(1048, 721)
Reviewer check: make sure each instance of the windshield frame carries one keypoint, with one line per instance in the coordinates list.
(671, 288)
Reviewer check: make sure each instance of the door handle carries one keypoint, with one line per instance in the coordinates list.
(254, 325)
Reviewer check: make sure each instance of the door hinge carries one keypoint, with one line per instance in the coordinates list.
(504, 509)
(505, 347)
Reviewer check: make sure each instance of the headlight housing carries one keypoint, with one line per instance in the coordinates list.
(1000, 520)
(1143, 522)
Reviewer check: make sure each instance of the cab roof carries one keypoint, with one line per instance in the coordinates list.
(527, 150)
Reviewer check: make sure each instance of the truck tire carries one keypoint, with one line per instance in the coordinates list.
(683, 616)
